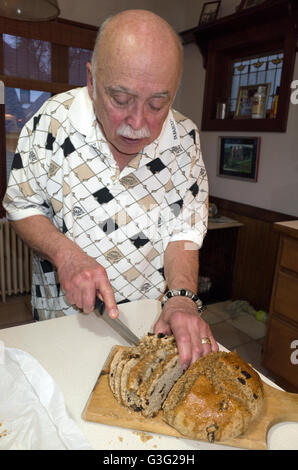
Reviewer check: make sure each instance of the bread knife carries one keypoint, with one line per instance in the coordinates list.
(117, 325)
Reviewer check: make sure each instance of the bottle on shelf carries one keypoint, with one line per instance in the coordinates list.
(259, 103)
(274, 104)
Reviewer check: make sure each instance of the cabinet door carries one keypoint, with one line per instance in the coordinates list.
(289, 255)
(286, 296)
(280, 355)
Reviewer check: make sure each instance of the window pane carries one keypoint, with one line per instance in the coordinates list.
(20, 106)
(257, 70)
(77, 65)
(27, 58)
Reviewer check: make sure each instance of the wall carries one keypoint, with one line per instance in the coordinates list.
(277, 186)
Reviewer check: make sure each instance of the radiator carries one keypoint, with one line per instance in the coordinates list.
(15, 262)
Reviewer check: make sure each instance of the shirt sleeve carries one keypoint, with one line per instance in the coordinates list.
(26, 193)
(186, 218)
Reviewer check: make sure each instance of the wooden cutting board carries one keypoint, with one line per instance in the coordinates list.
(103, 408)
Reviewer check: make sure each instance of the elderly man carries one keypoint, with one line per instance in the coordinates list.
(108, 186)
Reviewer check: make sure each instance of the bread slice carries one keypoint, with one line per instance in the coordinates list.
(120, 354)
(125, 373)
(138, 375)
(153, 392)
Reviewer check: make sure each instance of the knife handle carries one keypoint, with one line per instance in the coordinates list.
(99, 304)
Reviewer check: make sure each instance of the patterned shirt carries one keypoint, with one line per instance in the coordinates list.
(63, 168)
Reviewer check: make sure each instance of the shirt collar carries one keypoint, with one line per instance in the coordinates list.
(82, 116)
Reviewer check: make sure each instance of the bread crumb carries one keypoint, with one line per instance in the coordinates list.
(120, 438)
(143, 436)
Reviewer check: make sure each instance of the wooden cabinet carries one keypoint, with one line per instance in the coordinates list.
(281, 341)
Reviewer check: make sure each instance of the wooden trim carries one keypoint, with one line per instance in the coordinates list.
(250, 211)
(59, 63)
(56, 31)
(2, 158)
(30, 84)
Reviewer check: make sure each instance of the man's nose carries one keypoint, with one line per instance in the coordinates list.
(136, 117)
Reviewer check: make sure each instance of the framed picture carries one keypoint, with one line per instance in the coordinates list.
(209, 12)
(239, 157)
(245, 100)
(249, 4)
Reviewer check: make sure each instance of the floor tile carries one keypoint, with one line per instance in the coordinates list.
(212, 317)
(249, 325)
(229, 336)
(220, 309)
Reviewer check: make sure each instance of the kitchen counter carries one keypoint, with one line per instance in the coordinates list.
(73, 350)
(219, 222)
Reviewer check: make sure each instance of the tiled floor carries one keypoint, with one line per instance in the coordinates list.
(234, 331)
(240, 332)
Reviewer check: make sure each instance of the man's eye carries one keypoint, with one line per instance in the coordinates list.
(121, 100)
(155, 108)
(156, 105)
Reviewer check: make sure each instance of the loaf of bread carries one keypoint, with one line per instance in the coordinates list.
(215, 399)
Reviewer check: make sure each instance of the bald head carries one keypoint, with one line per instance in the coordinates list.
(140, 34)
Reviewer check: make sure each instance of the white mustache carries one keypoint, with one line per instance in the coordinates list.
(125, 130)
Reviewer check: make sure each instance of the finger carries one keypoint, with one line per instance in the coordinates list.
(106, 293)
(197, 347)
(162, 327)
(214, 345)
(184, 344)
(88, 296)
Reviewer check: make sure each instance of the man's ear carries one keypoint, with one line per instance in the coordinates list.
(89, 80)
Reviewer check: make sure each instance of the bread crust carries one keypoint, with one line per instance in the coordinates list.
(210, 402)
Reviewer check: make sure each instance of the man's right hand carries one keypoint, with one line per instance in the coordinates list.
(82, 278)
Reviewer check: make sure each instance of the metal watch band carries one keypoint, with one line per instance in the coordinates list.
(183, 293)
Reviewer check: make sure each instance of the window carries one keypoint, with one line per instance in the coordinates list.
(36, 63)
(27, 58)
(253, 71)
(20, 106)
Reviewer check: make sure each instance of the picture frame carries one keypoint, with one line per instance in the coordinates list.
(238, 157)
(245, 4)
(245, 100)
(209, 12)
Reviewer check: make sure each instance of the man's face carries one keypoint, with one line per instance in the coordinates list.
(133, 97)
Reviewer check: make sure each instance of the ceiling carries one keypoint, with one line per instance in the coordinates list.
(181, 14)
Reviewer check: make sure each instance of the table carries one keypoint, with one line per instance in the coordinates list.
(73, 350)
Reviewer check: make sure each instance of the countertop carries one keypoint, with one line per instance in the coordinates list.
(220, 222)
(73, 350)
(289, 227)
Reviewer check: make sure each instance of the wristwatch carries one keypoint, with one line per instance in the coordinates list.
(183, 293)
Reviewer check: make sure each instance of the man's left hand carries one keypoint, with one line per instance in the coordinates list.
(180, 317)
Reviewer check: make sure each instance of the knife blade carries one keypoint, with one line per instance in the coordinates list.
(117, 325)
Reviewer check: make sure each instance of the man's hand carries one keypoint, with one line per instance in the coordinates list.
(82, 278)
(180, 317)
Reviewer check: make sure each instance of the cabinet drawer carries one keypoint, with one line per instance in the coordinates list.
(286, 296)
(289, 254)
(279, 355)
